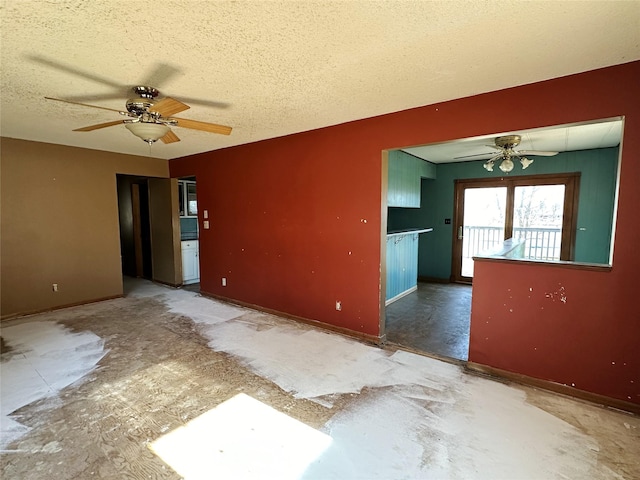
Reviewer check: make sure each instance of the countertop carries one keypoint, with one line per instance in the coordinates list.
(391, 233)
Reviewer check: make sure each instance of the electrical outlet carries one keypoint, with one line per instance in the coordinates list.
(224, 281)
(338, 305)
(54, 287)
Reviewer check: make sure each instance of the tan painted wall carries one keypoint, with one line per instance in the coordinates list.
(59, 223)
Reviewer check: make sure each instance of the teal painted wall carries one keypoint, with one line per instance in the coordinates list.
(405, 172)
(595, 210)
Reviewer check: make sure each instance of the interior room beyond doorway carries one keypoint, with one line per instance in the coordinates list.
(434, 319)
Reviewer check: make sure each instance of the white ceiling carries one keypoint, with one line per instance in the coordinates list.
(565, 138)
(271, 68)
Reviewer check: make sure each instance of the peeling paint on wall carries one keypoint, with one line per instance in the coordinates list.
(559, 294)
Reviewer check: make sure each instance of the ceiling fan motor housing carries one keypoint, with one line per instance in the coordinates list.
(145, 100)
(508, 141)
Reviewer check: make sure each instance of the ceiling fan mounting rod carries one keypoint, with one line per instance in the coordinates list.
(146, 92)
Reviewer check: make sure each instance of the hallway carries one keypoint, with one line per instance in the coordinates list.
(167, 384)
(434, 319)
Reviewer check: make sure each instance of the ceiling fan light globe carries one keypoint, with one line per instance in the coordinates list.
(507, 165)
(525, 162)
(149, 132)
(488, 166)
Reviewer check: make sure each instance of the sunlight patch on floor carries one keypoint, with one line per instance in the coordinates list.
(241, 438)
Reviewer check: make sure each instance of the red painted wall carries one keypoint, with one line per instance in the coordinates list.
(296, 226)
(563, 325)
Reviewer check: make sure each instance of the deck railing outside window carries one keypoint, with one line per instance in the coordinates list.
(541, 243)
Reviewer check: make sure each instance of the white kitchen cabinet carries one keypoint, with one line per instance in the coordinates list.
(190, 262)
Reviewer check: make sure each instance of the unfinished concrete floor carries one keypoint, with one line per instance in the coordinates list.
(167, 384)
(433, 319)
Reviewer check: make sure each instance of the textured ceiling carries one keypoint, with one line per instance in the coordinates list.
(271, 68)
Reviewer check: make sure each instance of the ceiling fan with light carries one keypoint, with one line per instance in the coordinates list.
(506, 145)
(151, 119)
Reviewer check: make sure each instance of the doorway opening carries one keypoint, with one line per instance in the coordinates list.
(189, 233)
(135, 226)
(426, 315)
(544, 213)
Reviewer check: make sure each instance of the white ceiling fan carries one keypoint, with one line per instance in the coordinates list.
(506, 153)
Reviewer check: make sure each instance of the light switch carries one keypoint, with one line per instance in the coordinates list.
(205, 224)
(205, 214)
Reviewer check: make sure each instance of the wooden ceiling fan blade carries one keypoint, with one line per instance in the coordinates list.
(204, 126)
(168, 106)
(98, 126)
(170, 137)
(82, 104)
